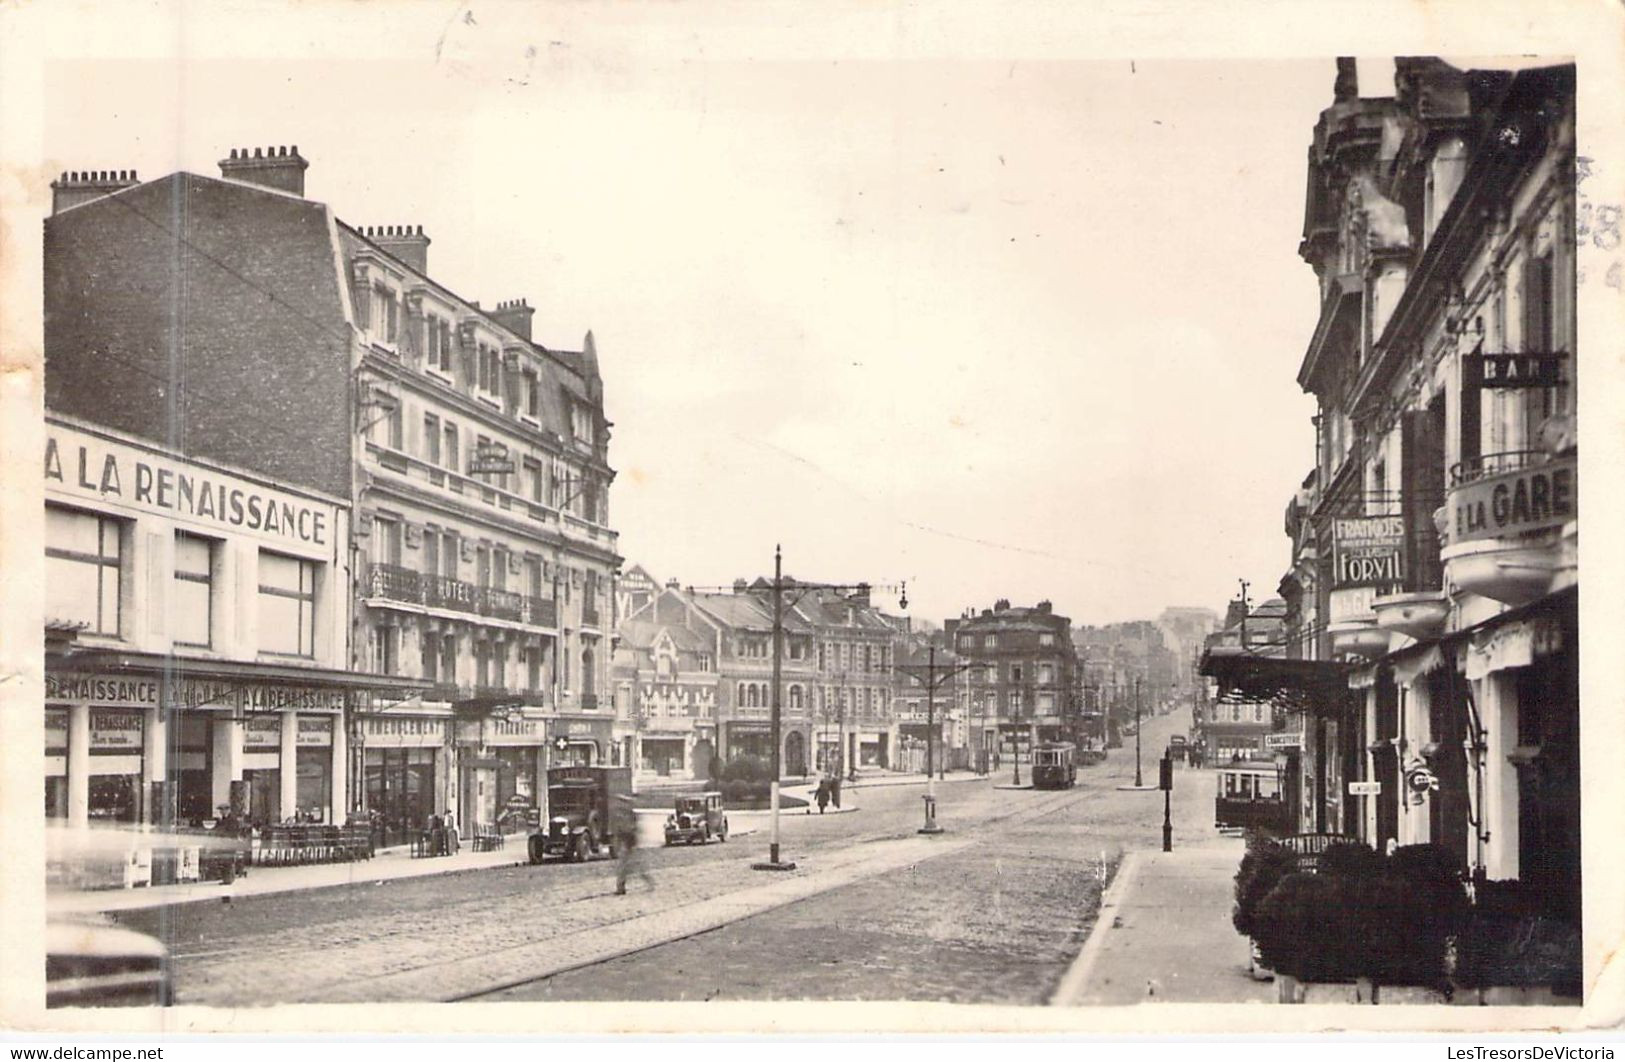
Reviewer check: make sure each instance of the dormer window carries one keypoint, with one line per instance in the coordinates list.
(386, 314)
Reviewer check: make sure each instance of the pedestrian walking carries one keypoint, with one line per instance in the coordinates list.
(625, 828)
(835, 792)
(823, 795)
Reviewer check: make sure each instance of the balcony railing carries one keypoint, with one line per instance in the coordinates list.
(541, 612)
(395, 583)
(1486, 465)
(503, 604)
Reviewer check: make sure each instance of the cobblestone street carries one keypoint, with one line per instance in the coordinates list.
(991, 911)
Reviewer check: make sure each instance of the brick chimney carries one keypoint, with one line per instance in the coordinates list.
(860, 596)
(514, 315)
(282, 168)
(405, 242)
(81, 186)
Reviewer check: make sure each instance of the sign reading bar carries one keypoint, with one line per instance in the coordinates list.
(1512, 370)
(1514, 503)
(1368, 551)
(1365, 788)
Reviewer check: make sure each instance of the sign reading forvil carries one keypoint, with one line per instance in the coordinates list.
(92, 468)
(1368, 551)
(1512, 370)
(1515, 503)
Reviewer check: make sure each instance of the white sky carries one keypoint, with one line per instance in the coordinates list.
(1002, 328)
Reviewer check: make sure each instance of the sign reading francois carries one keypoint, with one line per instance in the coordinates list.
(87, 466)
(1368, 551)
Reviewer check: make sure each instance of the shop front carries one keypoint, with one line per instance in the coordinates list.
(142, 739)
(405, 768)
(502, 760)
(747, 737)
(581, 740)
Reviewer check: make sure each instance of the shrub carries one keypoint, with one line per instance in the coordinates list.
(747, 769)
(1354, 859)
(1262, 868)
(1303, 927)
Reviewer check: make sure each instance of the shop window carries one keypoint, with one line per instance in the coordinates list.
(287, 605)
(82, 569)
(194, 590)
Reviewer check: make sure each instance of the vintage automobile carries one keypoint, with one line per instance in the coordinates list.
(90, 962)
(697, 819)
(1178, 747)
(580, 803)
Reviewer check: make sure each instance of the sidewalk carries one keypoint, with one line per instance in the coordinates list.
(388, 864)
(1164, 934)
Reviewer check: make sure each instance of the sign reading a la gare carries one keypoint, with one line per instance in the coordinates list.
(1521, 502)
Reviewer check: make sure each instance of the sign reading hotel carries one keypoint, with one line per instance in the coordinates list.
(81, 465)
(1522, 502)
(1368, 551)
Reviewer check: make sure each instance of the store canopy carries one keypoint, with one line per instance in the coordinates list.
(239, 671)
(1311, 686)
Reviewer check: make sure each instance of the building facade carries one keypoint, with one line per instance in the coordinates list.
(249, 325)
(1021, 677)
(201, 658)
(1432, 598)
(667, 686)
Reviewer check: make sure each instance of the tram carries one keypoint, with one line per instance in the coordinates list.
(1248, 796)
(1054, 765)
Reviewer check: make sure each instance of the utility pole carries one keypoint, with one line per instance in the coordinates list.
(1243, 615)
(1138, 782)
(931, 681)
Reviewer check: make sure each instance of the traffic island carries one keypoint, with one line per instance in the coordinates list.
(781, 864)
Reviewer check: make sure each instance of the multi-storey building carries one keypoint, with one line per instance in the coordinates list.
(1433, 588)
(745, 675)
(855, 646)
(1238, 728)
(201, 653)
(1021, 676)
(666, 686)
(249, 325)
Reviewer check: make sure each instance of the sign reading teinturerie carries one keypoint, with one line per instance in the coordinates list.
(1368, 551)
(490, 458)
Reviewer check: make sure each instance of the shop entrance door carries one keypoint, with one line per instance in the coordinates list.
(264, 796)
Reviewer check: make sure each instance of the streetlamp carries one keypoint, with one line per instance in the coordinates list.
(1138, 783)
(931, 681)
(773, 860)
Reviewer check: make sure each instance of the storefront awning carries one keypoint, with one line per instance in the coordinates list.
(1313, 686)
(114, 661)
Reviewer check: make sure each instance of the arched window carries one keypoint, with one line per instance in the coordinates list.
(752, 701)
(589, 674)
(795, 696)
(739, 695)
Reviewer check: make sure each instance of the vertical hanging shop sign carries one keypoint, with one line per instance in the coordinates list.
(1368, 551)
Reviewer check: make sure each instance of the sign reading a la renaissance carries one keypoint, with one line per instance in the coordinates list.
(1368, 551)
(87, 466)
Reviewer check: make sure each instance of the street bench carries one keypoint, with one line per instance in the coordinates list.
(489, 840)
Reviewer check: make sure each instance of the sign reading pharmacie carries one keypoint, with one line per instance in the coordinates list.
(86, 467)
(1521, 502)
(1368, 551)
(127, 691)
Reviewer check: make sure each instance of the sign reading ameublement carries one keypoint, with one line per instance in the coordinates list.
(1368, 551)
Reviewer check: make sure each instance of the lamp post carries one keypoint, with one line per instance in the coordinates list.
(775, 717)
(1138, 782)
(931, 681)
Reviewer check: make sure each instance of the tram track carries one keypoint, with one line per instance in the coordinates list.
(933, 850)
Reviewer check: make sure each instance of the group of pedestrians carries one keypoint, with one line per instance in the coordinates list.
(829, 792)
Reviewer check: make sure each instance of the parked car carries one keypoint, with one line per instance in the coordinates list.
(697, 819)
(90, 962)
